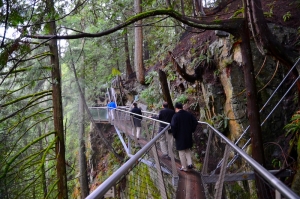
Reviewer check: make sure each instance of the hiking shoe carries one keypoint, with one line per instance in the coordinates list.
(182, 169)
(190, 166)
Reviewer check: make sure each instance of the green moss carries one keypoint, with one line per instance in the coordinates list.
(217, 20)
(140, 184)
(234, 191)
(236, 13)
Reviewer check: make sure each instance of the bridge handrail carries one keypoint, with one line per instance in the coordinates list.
(98, 107)
(150, 118)
(100, 191)
(281, 187)
(127, 107)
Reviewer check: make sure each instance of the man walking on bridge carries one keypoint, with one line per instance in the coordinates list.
(183, 124)
(137, 120)
(165, 115)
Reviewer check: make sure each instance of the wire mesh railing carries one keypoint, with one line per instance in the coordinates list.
(242, 178)
(146, 174)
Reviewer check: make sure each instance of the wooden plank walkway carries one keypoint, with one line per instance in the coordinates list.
(189, 184)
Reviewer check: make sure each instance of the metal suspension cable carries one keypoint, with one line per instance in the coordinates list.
(245, 131)
(269, 99)
(268, 115)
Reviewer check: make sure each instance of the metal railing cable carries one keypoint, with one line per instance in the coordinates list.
(239, 179)
(265, 104)
(274, 108)
(263, 122)
(271, 96)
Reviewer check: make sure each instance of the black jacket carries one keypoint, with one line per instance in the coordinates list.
(136, 110)
(165, 115)
(137, 119)
(183, 124)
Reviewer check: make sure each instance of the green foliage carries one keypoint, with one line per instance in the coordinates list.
(270, 13)
(276, 163)
(182, 99)
(293, 129)
(190, 91)
(287, 16)
(150, 77)
(235, 190)
(297, 3)
(171, 76)
(220, 122)
(151, 94)
(217, 73)
(294, 126)
(16, 18)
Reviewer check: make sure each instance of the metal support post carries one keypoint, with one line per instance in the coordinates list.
(220, 182)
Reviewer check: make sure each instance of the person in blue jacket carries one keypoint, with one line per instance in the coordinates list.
(111, 106)
(183, 125)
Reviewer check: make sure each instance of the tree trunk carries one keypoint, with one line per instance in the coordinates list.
(146, 51)
(83, 179)
(165, 88)
(253, 109)
(182, 7)
(194, 8)
(200, 3)
(168, 3)
(57, 109)
(43, 170)
(138, 50)
(129, 70)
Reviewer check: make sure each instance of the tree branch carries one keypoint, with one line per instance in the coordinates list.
(228, 25)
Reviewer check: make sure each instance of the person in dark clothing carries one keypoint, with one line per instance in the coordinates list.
(165, 115)
(137, 120)
(183, 124)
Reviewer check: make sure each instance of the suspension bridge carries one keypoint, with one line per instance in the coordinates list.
(227, 171)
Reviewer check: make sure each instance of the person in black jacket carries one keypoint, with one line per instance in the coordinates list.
(183, 124)
(137, 120)
(165, 115)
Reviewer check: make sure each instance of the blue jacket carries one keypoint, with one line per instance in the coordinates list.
(111, 105)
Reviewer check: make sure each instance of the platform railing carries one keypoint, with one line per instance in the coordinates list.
(239, 179)
(99, 114)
